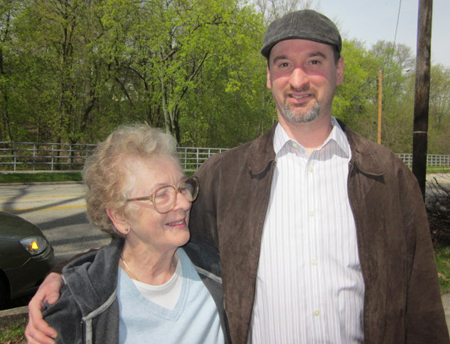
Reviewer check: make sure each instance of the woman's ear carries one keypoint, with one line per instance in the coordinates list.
(119, 221)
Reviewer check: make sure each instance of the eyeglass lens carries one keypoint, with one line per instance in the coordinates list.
(164, 198)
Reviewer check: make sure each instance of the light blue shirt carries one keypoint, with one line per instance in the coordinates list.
(194, 318)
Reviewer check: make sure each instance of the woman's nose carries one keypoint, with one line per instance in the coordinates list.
(182, 202)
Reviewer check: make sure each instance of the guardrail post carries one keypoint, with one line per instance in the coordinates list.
(15, 158)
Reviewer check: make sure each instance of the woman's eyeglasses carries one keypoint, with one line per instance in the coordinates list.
(165, 197)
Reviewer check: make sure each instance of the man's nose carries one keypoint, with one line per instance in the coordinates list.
(298, 78)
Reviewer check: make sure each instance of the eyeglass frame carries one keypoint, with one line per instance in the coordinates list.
(151, 198)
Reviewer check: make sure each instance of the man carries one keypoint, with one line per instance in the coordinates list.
(323, 235)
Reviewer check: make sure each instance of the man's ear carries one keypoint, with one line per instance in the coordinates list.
(268, 83)
(119, 221)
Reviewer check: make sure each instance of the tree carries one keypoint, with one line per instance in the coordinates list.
(65, 33)
(274, 9)
(169, 48)
(73, 70)
(439, 141)
(355, 100)
(396, 63)
(9, 64)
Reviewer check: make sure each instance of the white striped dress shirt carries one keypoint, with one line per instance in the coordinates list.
(310, 287)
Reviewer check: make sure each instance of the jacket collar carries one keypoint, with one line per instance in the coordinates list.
(261, 152)
(92, 278)
(363, 156)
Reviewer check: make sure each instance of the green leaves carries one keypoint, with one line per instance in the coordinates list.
(73, 70)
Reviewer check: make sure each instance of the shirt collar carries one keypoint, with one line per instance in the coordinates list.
(337, 137)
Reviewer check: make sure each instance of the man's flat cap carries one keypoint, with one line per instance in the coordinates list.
(304, 24)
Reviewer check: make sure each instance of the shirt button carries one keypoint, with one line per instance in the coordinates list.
(295, 145)
(312, 213)
(310, 169)
(314, 262)
(316, 313)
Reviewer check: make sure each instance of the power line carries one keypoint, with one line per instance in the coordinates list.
(398, 20)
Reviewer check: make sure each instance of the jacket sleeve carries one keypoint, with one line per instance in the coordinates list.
(425, 318)
(65, 317)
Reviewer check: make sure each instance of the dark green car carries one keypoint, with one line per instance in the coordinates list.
(26, 257)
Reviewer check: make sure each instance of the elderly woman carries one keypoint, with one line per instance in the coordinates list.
(143, 287)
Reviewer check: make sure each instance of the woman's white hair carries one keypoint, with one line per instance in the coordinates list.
(108, 171)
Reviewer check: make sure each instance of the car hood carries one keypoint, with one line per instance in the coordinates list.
(13, 227)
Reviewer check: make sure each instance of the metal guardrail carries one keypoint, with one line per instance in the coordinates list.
(191, 158)
(432, 159)
(63, 157)
(33, 156)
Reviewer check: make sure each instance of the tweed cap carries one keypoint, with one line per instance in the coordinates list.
(304, 24)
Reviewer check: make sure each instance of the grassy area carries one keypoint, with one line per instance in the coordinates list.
(39, 177)
(438, 169)
(12, 330)
(443, 265)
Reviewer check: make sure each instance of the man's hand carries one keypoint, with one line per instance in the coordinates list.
(38, 331)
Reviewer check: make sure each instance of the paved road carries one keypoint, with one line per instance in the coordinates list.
(59, 210)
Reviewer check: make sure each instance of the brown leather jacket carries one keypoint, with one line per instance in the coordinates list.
(402, 299)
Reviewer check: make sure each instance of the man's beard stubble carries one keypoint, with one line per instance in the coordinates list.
(307, 117)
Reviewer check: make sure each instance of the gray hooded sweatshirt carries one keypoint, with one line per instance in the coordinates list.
(88, 309)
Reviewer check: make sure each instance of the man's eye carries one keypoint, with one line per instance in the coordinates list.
(283, 65)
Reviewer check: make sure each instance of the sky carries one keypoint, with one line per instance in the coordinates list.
(373, 20)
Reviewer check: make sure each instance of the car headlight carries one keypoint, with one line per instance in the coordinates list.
(34, 245)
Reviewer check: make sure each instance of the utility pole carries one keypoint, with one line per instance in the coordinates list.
(380, 103)
(380, 98)
(422, 93)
